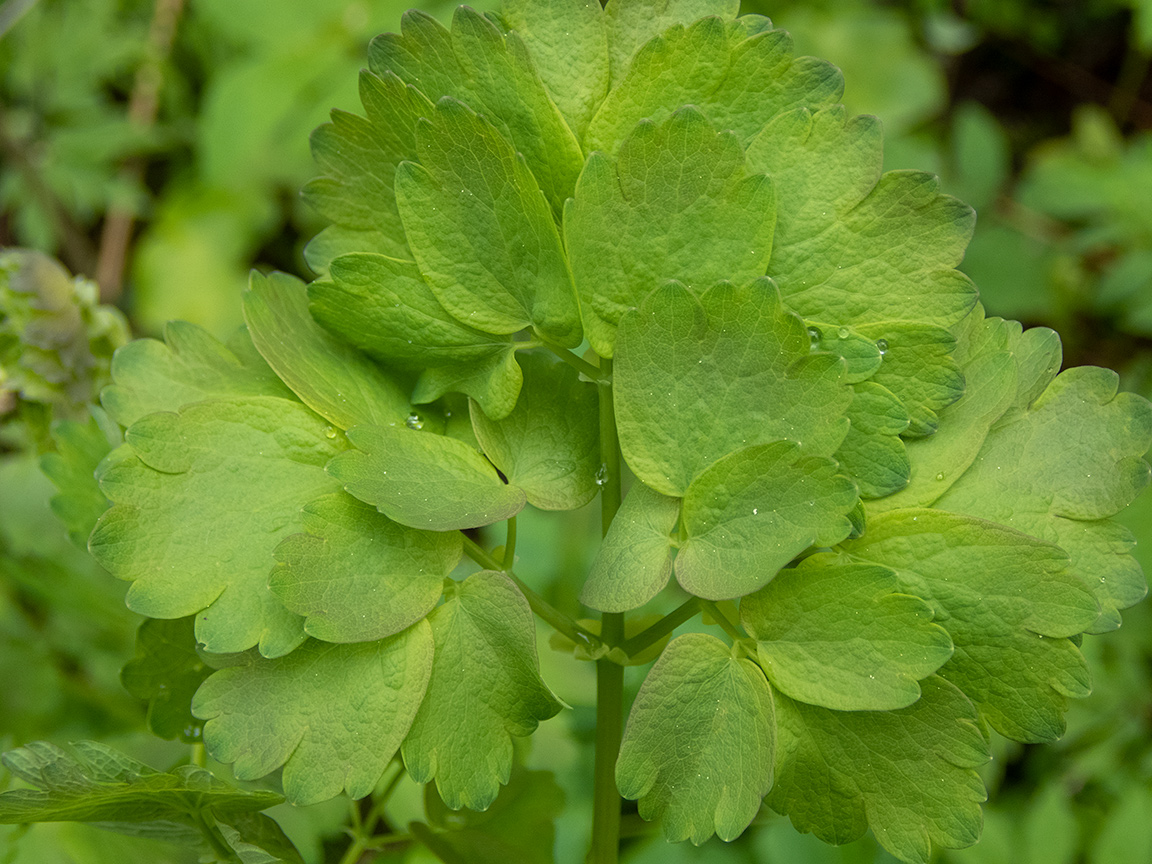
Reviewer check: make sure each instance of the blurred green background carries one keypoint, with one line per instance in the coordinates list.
(157, 147)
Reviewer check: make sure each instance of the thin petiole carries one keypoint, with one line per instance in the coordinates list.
(727, 626)
(559, 622)
(661, 628)
(510, 546)
(579, 363)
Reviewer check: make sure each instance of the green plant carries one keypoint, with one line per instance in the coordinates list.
(810, 410)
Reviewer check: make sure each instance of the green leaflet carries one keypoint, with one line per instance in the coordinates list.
(166, 672)
(485, 689)
(677, 204)
(755, 510)
(424, 480)
(862, 357)
(358, 157)
(873, 452)
(482, 235)
(696, 379)
(189, 366)
(492, 73)
(699, 745)
(1058, 468)
(384, 307)
(549, 445)
(632, 23)
(198, 510)
(94, 783)
(568, 41)
(357, 576)
(330, 377)
(332, 715)
(79, 449)
(519, 826)
(990, 382)
(1008, 601)
(909, 775)
(635, 559)
(739, 75)
(841, 636)
(852, 246)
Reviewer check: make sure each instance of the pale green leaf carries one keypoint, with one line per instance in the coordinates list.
(165, 672)
(696, 379)
(635, 559)
(424, 480)
(95, 783)
(861, 355)
(677, 204)
(843, 637)
(1008, 601)
(873, 453)
(190, 365)
(80, 447)
(330, 377)
(549, 445)
(737, 73)
(332, 715)
(493, 74)
(909, 775)
(198, 510)
(631, 23)
(852, 246)
(480, 231)
(699, 745)
(356, 575)
(385, 308)
(1058, 468)
(568, 42)
(358, 157)
(755, 510)
(485, 689)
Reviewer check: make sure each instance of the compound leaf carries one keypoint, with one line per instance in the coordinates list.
(677, 204)
(737, 73)
(699, 745)
(356, 575)
(332, 715)
(755, 510)
(632, 23)
(696, 379)
(165, 673)
(635, 559)
(482, 235)
(843, 637)
(424, 480)
(80, 447)
(190, 365)
(549, 445)
(909, 775)
(492, 73)
(208, 495)
(1058, 468)
(330, 377)
(485, 689)
(852, 246)
(568, 41)
(385, 308)
(1009, 603)
(95, 783)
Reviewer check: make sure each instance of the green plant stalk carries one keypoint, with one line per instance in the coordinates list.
(609, 675)
(661, 628)
(599, 374)
(727, 626)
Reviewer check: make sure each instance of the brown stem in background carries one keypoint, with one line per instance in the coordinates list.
(142, 108)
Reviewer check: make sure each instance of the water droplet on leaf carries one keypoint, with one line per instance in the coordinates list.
(414, 421)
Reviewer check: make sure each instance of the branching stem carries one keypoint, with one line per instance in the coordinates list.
(596, 373)
(661, 628)
(727, 626)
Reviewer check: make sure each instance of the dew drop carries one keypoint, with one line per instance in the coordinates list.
(940, 476)
(330, 432)
(882, 346)
(602, 475)
(843, 332)
(814, 334)
(414, 421)
(755, 510)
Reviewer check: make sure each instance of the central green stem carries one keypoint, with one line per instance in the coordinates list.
(609, 675)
